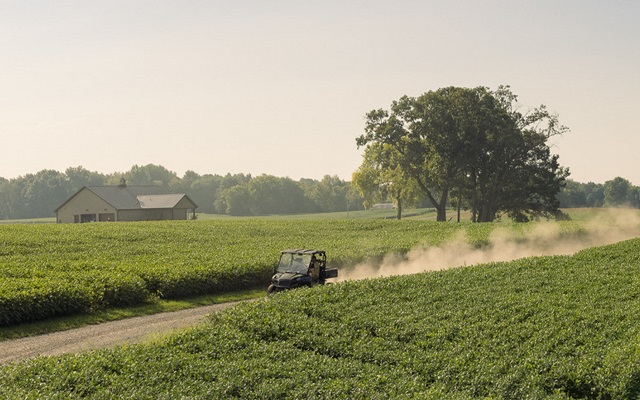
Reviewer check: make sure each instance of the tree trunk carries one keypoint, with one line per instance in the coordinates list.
(474, 204)
(442, 214)
(442, 207)
(487, 211)
(399, 208)
(439, 206)
(459, 206)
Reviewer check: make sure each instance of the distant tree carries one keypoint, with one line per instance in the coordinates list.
(572, 195)
(79, 177)
(354, 200)
(273, 195)
(616, 192)
(633, 196)
(4, 189)
(228, 181)
(150, 174)
(12, 203)
(204, 191)
(311, 193)
(265, 194)
(594, 193)
(237, 200)
(577, 194)
(181, 185)
(293, 199)
(201, 189)
(44, 192)
(329, 194)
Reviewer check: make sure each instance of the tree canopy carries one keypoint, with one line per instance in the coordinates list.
(473, 142)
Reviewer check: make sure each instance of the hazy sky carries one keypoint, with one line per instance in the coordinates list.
(282, 87)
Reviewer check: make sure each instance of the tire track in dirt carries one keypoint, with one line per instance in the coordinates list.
(108, 334)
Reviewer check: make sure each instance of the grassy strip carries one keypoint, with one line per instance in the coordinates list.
(113, 314)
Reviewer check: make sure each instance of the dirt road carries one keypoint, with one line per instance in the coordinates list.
(132, 330)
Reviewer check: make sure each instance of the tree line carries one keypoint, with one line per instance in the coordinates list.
(38, 195)
(617, 192)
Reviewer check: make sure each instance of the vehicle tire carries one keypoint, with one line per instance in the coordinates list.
(271, 289)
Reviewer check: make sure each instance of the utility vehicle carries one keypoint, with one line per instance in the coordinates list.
(301, 267)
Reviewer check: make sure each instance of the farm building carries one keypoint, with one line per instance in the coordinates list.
(124, 203)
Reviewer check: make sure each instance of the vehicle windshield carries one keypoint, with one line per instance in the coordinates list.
(298, 263)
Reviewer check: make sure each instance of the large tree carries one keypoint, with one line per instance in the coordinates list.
(475, 142)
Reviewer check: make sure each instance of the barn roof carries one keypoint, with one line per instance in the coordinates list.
(160, 200)
(123, 198)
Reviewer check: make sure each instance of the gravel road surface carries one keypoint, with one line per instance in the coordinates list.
(131, 330)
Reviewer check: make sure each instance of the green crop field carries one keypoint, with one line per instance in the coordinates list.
(558, 327)
(54, 269)
(48, 270)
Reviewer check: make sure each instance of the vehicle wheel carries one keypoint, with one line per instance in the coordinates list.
(271, 289)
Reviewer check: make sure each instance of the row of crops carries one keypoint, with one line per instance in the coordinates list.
(550, 327)
(52, 270)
